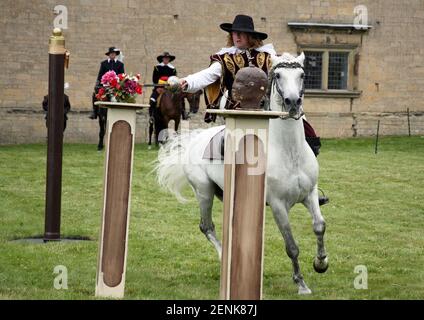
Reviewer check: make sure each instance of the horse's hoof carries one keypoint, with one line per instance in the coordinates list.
(149, 148)
(304, 291)
(320, 265)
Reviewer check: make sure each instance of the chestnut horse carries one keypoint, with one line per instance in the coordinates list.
(170, 108)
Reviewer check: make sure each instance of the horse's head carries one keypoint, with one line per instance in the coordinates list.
(286, 84)
(194, 100)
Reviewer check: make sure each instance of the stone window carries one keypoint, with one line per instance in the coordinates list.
(313, 69)
(332, 54)
(327, 69)
(337, 70)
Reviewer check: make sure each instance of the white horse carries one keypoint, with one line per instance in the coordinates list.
(292, 171)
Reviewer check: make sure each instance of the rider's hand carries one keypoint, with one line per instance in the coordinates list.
(183, 84)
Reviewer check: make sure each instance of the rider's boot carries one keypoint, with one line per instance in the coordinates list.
(93, 114)
(151, 111)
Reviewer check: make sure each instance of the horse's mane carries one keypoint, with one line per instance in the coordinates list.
(286, 57)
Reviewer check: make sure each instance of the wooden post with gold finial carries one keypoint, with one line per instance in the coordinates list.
(55, 122)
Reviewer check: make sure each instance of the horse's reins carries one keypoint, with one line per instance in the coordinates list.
(272, 82)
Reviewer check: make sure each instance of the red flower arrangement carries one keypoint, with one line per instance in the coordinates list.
(119, 88)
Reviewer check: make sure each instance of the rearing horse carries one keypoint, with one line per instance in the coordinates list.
(292, 169)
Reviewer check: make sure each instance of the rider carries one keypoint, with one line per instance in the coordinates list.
(110, 64)
(162, 70)
(66, 107)
(244, 45)
(163, 80)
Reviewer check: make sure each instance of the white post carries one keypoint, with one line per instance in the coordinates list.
(113, 246)
(246, 149)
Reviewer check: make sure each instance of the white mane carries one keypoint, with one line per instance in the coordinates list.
(288, 57)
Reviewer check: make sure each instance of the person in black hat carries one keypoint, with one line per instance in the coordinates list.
(110, 64)
(244, 47)
(66, 109)
(164, 69)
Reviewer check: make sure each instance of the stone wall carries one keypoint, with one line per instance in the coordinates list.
(390, 70)
(29, 126)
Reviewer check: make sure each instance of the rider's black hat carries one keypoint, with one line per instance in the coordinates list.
(243, 23)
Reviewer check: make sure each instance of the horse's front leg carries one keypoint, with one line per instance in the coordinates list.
(280, 212)
(311, 203)
(204, 189)
(177, 124)
(158, 129)
(150, 134)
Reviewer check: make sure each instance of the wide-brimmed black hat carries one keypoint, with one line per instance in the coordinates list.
(166, 54)
(113, 50)
(243, 23)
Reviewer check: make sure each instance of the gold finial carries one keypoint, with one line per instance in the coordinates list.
(57, 32)
(57, 42)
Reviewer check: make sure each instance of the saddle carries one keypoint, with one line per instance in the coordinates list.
(215, 148)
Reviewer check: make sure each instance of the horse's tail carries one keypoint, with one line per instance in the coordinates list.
(170, 164)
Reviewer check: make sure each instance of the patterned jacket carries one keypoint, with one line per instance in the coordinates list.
(231, 63)
(221, 73)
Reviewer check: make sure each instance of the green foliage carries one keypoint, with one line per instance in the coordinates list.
(375, 218)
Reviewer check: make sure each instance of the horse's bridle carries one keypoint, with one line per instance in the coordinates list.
(272, 76)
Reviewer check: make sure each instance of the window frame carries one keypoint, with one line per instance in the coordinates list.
(350, 91)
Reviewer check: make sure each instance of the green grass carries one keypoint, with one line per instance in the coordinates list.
(375, 218)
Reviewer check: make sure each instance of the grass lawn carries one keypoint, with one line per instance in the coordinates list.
(375, 218)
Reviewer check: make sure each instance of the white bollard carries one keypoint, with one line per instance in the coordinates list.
(246, 148)
(113, 246)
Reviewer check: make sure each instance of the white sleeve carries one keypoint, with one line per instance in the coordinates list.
(202, 79)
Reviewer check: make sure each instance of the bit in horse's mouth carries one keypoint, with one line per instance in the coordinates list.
(293, 113)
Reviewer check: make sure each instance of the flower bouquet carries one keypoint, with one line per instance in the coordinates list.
(119, 88)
